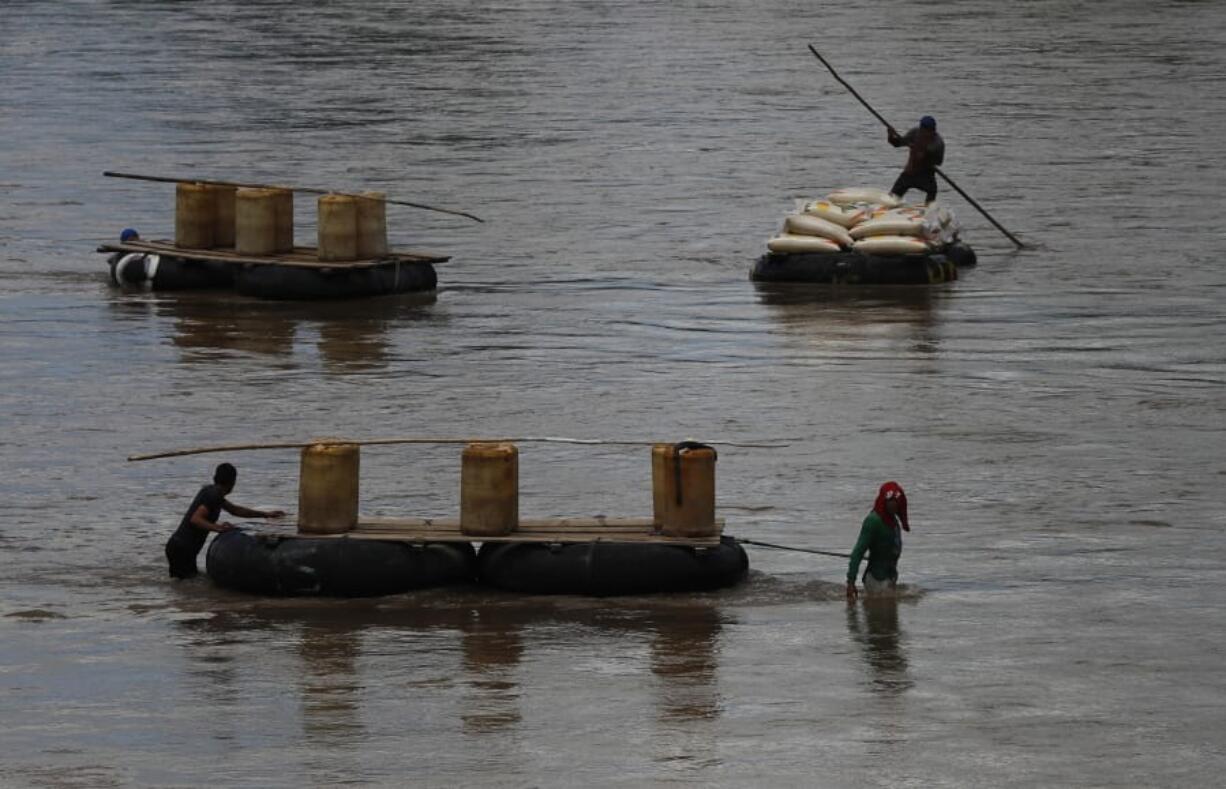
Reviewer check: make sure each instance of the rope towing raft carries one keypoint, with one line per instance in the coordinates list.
(336, 552)
(240, 236)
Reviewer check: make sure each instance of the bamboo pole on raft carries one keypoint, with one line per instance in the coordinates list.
(303, 189)
(428, 440)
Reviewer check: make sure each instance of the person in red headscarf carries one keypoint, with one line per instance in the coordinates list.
(881, 538)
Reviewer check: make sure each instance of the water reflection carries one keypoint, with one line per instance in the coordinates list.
(683, 654)
(682, 636)
(327, 642)
(329, 648)
(873, 624)
(213, 668)
(683, 657)
(350, 336)
(202, 327)
(491, 652)
(900, 298)
(833, 316)
(234, 646)
(685, 661)
(493, 637)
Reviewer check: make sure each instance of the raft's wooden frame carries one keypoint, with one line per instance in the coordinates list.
(300, 257)
(545, 530)
(599, 528)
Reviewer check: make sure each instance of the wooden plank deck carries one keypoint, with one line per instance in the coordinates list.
(302, 257)
(546, 530)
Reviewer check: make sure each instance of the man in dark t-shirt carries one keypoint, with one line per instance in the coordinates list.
(926, 152)
(202, 518)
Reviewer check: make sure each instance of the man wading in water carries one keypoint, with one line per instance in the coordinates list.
(881, 536)
(927, 152)
(201, 518)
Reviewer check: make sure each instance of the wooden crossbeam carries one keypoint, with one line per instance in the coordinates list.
(543, 530)
(302, 257)
(519, 536)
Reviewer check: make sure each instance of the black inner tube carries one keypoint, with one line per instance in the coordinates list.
(335, 567)
(603, 569)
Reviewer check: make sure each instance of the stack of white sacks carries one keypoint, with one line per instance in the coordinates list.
(868, 221)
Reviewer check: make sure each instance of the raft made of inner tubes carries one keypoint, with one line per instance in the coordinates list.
(603, 569)
(962, 255)
(297, 274)
(165, 272)
(855, 268)
(291, 282)
(334, 567)
(270, 281)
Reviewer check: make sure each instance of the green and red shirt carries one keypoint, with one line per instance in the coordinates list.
(883, 544)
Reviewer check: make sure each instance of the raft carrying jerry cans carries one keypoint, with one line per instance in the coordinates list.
(241, 237)
(683, 489)
(489, 490)
(328, 488)
(335, 551)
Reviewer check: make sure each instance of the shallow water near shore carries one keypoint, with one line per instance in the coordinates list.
(1056, 415)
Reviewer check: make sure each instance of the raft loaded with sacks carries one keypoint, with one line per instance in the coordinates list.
(334, 552)
(242, 238)
(867, 237)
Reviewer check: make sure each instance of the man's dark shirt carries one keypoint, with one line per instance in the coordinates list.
(927, 150)
(211, 496)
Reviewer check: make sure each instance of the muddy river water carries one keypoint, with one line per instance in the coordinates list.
(1057, 415)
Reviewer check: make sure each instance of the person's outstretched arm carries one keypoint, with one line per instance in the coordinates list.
(246, 512)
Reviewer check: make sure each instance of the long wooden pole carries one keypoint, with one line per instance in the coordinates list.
(939, 172)
(303, 189)
(418, 440)
(979, 208)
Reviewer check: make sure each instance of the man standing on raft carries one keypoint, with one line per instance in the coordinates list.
(927, 152)
(881, 536)
(201, 518)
